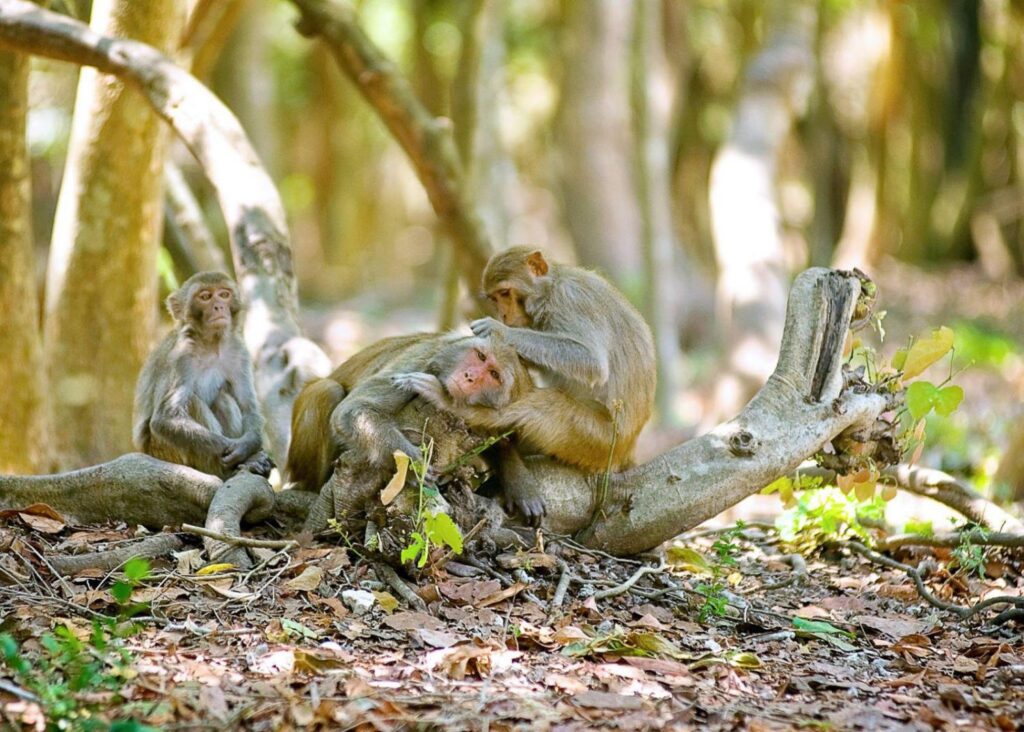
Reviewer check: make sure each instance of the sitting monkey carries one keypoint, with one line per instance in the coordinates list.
(195, 403)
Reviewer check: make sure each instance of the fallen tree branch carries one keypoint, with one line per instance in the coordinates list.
(425, 139)
(625, 586)
(387, 573)
(963, 613)
(951, 539)
(240, 540)
(109, 560)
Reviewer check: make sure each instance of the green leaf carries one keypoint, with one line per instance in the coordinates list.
(298, 629)
(689, 560)
(916, 526)
(442, 530)
(921, 397)
(948, 399)
(927, 351)
(410, 553)
(136, 569)
(819, 626)
(122, 592)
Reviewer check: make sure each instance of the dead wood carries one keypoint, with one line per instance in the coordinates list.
(107, 561)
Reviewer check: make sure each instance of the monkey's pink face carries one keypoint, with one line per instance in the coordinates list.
(509, 303)
(478, 379)
(213, 306)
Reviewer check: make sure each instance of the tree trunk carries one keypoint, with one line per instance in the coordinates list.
(596, 135)
(652, 101)
(101, 285)
(24, 442)
(251, 204)
(745, 218)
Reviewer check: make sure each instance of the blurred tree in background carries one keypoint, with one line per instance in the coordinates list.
(698, 152)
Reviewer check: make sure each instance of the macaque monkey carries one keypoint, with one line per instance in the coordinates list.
(592, 347)
(354, 408)
(195, 403)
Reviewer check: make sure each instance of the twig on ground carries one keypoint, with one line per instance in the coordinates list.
(799, 565)
(963, 613)
(698, 533)
(107, 561)
(625, 586)
(564, 580)
(387, 573)
(240, 540)
(951, 539)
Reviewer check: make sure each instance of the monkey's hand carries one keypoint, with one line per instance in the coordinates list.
(524, 496)
(239, 450)
(484, 327)
(259, 464)
(425, 385)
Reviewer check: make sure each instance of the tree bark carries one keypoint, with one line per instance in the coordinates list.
(249, 200)
(24, 438)
(101, 288)
(595, 129)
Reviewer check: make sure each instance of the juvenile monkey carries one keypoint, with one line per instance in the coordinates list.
(592, 347)
(355, 407)
(195, 403)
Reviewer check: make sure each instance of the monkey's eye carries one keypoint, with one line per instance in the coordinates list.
(504, 293)
(496, 376)
(205, 295)
(224, 294)
(480, 355)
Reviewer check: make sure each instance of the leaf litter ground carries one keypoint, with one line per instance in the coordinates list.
(834, 642)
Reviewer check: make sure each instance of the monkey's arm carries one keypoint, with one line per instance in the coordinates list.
(173, 422)
(554, 351)
(251, 441)
(365, 420)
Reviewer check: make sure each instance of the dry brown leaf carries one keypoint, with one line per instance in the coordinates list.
(397, 482)
(308, 581)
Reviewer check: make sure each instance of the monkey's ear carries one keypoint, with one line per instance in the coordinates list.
(536, 263)
(175, 306)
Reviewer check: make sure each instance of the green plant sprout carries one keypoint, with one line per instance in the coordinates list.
(431, 528)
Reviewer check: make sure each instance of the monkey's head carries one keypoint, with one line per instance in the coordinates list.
(479, 372)
(511, 278)
(208, 303)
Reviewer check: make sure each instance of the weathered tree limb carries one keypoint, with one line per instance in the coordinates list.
(134, 488)
(250, 202)
(950, 539)
(798, 411)
(426, 140)
(243, 495)
(139, 489)
(107, 561)
(185, 218)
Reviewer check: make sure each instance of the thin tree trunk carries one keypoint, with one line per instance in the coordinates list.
(652, 108)
(24, 441)
(600, 198)
(101, 283)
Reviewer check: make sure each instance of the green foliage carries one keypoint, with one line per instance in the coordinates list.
(916, 526)
(969, 556)
(923, 396)
(432, 528)
(977, 344)
(622, 642)
(69, 675)
(715, 601)
(823, 515)
(726, 547)
(820, 630)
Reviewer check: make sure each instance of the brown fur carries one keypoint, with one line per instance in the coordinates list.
(591, 344)
(354, 407)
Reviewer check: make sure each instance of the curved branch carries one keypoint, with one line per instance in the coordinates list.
(426, 140)
(250, 201)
